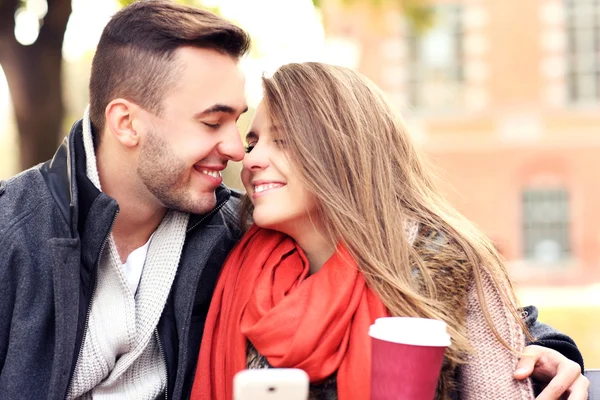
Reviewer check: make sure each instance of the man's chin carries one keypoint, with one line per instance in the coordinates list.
(193, 204)
(201, 204)
(203, 209)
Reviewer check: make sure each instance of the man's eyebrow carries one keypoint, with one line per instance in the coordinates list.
(219, 108)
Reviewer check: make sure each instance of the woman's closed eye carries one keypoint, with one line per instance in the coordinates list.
(279, 142)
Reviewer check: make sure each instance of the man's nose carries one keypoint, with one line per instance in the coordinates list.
(231, 147)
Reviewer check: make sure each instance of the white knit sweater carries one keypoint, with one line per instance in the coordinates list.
(120, 356)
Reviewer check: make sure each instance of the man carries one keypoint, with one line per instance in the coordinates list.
(111, 250)
(136, 184)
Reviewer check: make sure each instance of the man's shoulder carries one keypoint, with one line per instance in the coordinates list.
(231, 213)
(24, 189)
(235, 199)
(23, 198)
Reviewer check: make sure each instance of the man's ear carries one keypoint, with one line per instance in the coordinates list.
(119, 121)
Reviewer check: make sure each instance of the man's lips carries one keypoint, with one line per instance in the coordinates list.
(213, 172)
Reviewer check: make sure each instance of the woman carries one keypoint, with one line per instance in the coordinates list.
(349, 227)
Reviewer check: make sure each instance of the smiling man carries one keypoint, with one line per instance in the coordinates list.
(112, 249)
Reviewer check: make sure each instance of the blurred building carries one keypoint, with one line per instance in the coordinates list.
(504, 96)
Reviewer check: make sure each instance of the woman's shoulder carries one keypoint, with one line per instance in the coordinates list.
(437, 247)
(446, 263)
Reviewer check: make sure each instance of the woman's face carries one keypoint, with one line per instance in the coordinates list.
(281, 201)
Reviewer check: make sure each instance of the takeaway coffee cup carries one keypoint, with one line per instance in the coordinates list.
(407, 355)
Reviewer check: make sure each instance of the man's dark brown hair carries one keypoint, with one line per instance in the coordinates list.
(134, 58)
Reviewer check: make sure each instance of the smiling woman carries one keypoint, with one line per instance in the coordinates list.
(277, 191)
(349, 227)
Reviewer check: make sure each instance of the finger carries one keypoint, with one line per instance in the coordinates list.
(526, 364)
(567, 374)
(579, 389)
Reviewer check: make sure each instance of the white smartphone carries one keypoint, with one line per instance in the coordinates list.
(271, 384)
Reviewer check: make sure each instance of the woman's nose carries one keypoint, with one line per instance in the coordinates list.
(256, 159)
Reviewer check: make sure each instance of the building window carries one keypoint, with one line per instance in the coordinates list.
(546, 225)
(435, 70)
(583, 54)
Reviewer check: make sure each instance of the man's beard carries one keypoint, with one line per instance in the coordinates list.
(168, 178)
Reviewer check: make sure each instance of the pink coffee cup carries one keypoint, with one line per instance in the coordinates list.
(407, 355)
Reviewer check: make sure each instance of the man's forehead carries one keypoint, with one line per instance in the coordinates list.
(206, 67)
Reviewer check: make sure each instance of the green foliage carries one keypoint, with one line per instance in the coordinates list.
(419, 14)
(421, 17)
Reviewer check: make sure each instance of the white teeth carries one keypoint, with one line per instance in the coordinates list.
(267, 186)
(214, 174)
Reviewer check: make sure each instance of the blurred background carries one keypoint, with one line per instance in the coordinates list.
(502, 95)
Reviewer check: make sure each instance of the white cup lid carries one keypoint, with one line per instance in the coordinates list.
(412, 331)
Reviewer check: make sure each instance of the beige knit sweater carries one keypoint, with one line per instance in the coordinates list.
(488, 373)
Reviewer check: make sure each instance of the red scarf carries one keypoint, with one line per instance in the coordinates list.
(318, 323)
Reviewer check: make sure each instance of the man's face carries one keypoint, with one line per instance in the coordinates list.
(183, 151)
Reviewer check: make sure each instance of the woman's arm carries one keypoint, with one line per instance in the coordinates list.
(552, 360)
(546, 336)
(488, 373)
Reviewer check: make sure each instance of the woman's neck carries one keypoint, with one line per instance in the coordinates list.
(316, 247)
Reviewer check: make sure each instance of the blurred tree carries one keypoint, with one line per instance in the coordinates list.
(33, 74)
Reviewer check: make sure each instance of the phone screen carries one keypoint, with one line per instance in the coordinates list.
(271, 384)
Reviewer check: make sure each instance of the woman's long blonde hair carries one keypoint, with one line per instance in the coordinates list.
(353, 153)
